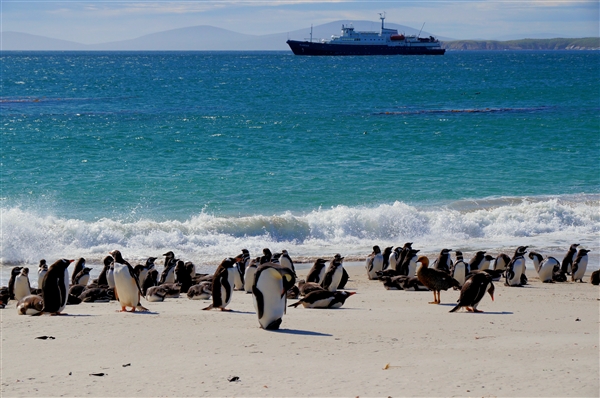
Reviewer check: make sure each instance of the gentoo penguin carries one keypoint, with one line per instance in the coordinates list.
(459, 269)
(30, 305)
(182, 276)
(307, 287)
(249, 274)
(266, 257)
(286, 261)
(444, 261)
(409, 263)
(473, 291)
(323, 299)
(151, 280)
(42, 269)
(79, 266)
(222, 285)
(477, 261)
(200, 291)
(434, 279)
(567, 261)
(110, 275)
(142, 270)
(334, 273)
(22, 287)
(487, 260)
(103, 277)
(344, 280)
(501, 262)
(374, 263)
(238, 282)
(16, 271)
(168, 274)
(580, 265)
(595, 278)
(544, 267)
(83, 277)
(403, 253)
(127, 286)
(516, 268)
(269, 293)
(387, 252)
(97, 295)
(275, 258)
(317, 271)
(166, 290)
(55, 287)
(394, 257)
(244, 262)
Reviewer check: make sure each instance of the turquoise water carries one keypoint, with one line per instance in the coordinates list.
(204, 153)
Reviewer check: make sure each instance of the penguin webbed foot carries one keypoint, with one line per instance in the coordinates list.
(475, 310)
(210, 307)
(225, 309)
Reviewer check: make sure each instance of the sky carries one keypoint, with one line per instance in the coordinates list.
(91, 21)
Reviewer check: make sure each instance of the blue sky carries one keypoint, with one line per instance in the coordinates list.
(93, 21)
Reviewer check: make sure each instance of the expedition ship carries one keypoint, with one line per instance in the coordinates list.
(384, 42)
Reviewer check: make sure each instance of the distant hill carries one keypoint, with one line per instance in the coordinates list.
(210, 38)
(587, 43)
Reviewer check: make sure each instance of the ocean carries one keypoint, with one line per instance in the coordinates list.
(206, 153)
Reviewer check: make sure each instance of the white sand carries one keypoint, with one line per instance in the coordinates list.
(539, 340)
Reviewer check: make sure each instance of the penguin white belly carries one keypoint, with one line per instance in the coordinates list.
(460, 271)
(582, 266)
(393, 260)
(230, 278)
(170, 278)
(21, 287)
(249, 279)
(143, 274)
(41, 275)
(336, 279)
(518, 269)
(84, 280)
(125, 286)
(110, 277)
(545, 270)
(412, 268)
(377, 265)
(238, 284)
(485, 264)
(270, 285)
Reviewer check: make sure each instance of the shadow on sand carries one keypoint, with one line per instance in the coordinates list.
(301, 332)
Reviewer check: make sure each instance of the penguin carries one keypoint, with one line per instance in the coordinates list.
(142, 270)
(76, 290)
(307, 287)
(249, 274)
(286, 261)
(245, 261)
(409, 263)
(485, 264)
(334, 273)
(151, 280)
(173, 290)
(269, 293)
(182, 276)
(55, 287)
(393, 282)
(127, 287)
(293, 293)
(434, 279)
(387, 252)
(444, 261)
(317, 271)
(79, 266)
(110, 275)
(16, 271)
(83, 277)
(501, 262)
(200, 292)
(42, 269)
(168, 274)
(96, 295)
(473, 291)
(395, 257)
(516, 268)
(266, 257)
(595, 278)
(156, 294)
(567, 261)
(103, 277)
(545, 268)
(238, 283)
(323, 299)
(22, 288)
(580, 265)
(459, 269)
(30, 305)
(374, 263)
(275, 258)
(344, 280)
(477, 261)
(222, 285)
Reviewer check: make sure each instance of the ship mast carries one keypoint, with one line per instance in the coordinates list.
(382, 17)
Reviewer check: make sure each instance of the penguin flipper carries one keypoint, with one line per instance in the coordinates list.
(456, 308)
(260, 301)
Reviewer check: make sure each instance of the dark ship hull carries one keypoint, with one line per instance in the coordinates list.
(314, 48)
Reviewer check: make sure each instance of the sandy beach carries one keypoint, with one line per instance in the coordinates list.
(537, 340)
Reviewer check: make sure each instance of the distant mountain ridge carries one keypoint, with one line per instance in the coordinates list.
(210, 38)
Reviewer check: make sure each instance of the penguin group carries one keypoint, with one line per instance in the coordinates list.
(397, 269)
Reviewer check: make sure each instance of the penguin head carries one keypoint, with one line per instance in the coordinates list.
(16, 271)
(574, 246)
(445, 251)
(81, 262)
(43, 264)
(107, 261)
(25, 271)
(521, 250)
(376, 249)
(117, 256)
(408, 245)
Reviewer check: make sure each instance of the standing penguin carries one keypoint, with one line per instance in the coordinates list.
(266, 257)
(286, 261)
(544, 267)
(317, 271)
(55, 287)
(476, 262)
(182, 276)
(473, 291)
(459, 269)
(168, 274)
(580, 265)
(82, 277)
(374, 263)
(269, 293)
(42, 269)
(222, 285)
(567, 261)
(238, 283)
(395, 257)
(387, 252)
(485, 264)
(516, 268)
(79, 266)
(142, 270)
(110, 275)
(409, 264)
(127, 286)
(501, 262)
(16, 271)
(22, 287)
(150, 281)
(333, 275)
(103, 277)
(249, 274)
(444, 261)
